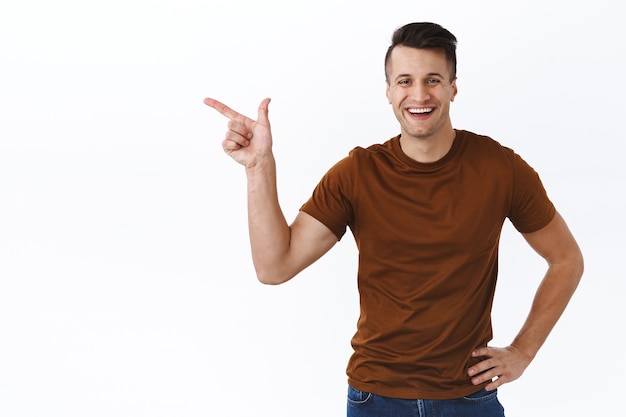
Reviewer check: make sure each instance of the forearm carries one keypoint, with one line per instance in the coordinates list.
(269, 231)
(249, 142)
(557, 246)
(502, 365)
(550, 301)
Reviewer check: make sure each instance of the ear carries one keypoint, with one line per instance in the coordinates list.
(388, 93)
(455, 90)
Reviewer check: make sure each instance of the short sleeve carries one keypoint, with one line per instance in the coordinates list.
(531, 209)
(330, 201)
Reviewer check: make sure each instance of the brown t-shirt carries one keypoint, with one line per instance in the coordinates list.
(427, 235)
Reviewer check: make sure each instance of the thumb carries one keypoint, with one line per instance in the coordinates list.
(263, 112)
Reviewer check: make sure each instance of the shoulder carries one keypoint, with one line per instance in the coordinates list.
(376, 148)
(361, 161)
(483, 143)
(484, 150)
(376, 152)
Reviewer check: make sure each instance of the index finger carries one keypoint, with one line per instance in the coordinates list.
(225, 110)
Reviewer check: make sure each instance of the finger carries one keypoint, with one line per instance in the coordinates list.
(229, 146)
(263, 117)
(224, 109)
(488, 375)
(482, 351)
(237, 138)
(239, 128)
(481, 367)
(495, 384)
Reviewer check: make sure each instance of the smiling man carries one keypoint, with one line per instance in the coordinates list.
(421, 84)
(426, 210)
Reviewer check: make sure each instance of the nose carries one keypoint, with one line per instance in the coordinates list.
(419, 92)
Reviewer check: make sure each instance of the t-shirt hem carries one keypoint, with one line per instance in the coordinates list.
(417, 393)
(338, 231)
(538, 225)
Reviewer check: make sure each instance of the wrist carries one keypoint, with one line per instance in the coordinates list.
(525, 351)
(261, 165)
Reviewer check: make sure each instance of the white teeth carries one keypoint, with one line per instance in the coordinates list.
(420, 111)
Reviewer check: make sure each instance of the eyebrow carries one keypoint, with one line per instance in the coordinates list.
(430, 74)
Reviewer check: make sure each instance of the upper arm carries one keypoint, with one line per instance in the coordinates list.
(309, 240)
(556, 244)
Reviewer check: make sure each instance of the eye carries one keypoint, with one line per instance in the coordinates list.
(404, 81)
(433, 81)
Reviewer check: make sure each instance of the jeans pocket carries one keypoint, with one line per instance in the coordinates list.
(357, 397)
(481, 396)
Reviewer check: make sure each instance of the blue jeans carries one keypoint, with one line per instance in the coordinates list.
(480, 404)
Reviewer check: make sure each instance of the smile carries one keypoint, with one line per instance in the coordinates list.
(420, 111)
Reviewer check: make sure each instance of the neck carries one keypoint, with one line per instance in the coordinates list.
(428, 148)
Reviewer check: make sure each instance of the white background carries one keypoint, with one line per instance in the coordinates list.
(126, 287)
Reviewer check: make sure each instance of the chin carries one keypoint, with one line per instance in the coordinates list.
(419, 134)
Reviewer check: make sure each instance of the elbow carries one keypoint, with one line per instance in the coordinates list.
(274, 271)
(578, 262)
(269, 278)
(580, 265)
(576, 267)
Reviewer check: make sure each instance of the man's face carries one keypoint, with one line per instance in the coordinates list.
(420, 91)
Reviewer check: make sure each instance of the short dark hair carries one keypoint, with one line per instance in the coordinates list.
(425, 35)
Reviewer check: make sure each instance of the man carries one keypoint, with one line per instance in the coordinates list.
(426, 210)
